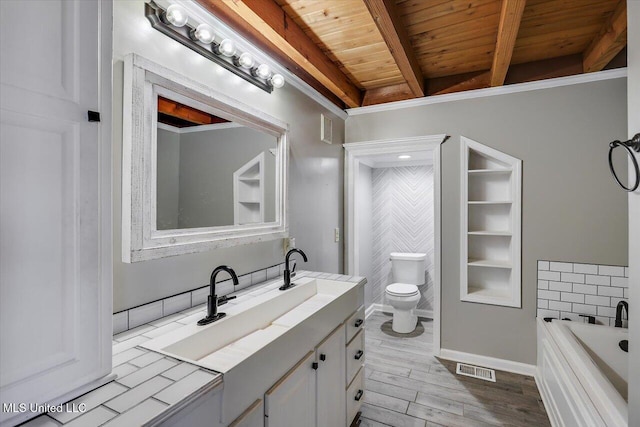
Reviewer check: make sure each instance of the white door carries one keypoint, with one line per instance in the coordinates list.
(331, 379)
(55, 243)
(292, 401)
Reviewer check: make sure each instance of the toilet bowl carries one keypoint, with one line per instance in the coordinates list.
(403, 295)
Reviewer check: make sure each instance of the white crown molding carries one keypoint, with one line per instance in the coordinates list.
(198, 14)
(489, 362)
(493, 91)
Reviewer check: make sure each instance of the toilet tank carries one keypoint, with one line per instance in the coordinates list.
(408, 267)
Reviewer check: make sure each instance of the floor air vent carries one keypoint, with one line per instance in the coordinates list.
(476, 372)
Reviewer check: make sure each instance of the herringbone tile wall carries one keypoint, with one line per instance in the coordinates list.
(403, 221)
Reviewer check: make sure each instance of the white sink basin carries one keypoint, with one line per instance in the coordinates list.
(263, 336)
(249, 326)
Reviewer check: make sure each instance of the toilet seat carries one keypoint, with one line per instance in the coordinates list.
(402, 290)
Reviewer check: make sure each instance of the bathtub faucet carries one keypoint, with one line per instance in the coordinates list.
(621, 305)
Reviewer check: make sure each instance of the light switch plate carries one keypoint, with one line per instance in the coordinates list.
(337, 234)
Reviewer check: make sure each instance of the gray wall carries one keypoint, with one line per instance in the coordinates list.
(315, 172)
(207, 163)
(571, 208)
(633, 10)
(168, 185)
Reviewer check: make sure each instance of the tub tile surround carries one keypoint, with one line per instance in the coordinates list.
(159, 310)
(147, 382)
(566, 290)
(403, 219)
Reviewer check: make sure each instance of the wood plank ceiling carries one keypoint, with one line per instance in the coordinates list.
(364, 52)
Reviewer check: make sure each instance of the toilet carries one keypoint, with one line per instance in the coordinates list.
(407, 270)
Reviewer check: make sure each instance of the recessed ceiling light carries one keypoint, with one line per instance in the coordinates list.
(404, 156)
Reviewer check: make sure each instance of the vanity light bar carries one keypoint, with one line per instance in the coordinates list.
(201, 40)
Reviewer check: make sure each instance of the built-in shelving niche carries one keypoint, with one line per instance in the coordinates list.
(491, 226)
(248, 192)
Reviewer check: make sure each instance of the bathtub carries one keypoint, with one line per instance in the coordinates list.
(582, 374)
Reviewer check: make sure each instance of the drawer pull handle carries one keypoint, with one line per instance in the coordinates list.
(358, 323)
(314, 365)
(358, 395)
(323, 357)
(359, 355)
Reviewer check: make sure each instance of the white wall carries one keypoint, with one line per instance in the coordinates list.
(633, 91)
(364, 199)
(572, 209)
(315, 178)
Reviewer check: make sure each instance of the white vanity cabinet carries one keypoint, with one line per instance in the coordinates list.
(330, 357)
(312, 393)
(252, 417)
(292, 400)
(354, 358)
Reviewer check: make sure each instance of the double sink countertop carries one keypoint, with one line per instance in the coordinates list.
(148, 384)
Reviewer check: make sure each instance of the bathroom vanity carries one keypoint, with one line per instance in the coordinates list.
(291, 357)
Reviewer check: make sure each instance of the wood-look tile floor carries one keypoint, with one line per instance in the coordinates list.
(406, 386)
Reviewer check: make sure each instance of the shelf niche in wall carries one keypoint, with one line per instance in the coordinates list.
(490, 270)
(248, 192)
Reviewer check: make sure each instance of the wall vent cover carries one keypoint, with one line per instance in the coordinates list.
(476, 372)
(326, 129)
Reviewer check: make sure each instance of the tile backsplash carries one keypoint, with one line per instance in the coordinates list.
(134, 317)
(566, 290)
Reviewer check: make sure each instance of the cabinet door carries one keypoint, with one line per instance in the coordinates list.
(330, 380)
(252, 417)
(292, 401)
(55, 268)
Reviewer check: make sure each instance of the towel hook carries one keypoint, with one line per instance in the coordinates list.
(633, 143)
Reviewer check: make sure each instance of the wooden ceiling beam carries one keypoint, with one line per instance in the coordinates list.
(611, 39)
(186, 113)
(510, 18)
(562, 66)
(264, 22)
(479, 81)
(387, 18)
(392, 93)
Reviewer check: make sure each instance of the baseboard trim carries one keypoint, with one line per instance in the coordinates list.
(387, 308)
(489, 362)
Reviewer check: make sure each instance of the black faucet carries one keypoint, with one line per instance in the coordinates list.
(212, 301)
(621, 305)
(287, 272)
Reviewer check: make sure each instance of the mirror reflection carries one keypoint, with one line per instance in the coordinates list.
(211, 171)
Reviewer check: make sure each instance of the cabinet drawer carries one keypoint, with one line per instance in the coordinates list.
(355, 356)
(355, 396)
(355, 323)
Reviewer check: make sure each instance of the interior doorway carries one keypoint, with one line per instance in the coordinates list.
(392, 203)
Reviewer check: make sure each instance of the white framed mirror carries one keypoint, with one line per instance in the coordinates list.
(200, 170)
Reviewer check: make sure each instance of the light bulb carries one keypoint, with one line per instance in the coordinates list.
(227, 47)
(176, 15)
(404, 156)
(246, 60)
(277, 80)
(205, 33)
(263, 71)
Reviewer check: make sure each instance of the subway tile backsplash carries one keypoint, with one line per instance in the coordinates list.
(129, 319)
(567, 290)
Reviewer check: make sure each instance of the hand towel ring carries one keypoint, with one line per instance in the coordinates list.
(633, 143)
